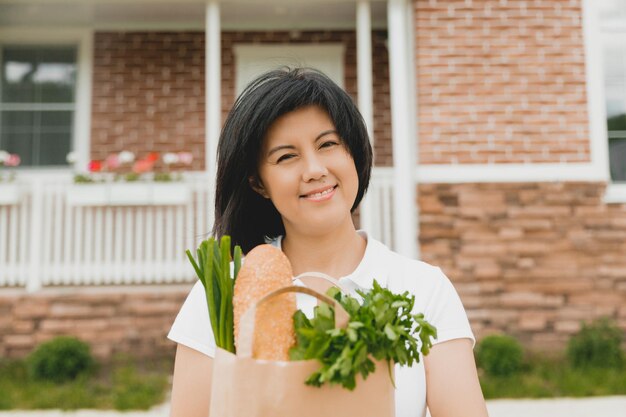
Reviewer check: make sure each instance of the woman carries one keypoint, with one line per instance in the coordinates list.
(294, 162)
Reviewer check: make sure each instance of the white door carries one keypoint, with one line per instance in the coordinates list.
(253, 60)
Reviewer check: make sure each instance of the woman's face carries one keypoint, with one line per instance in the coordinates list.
(307, 172)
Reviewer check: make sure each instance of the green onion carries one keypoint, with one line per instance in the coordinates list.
(213, 270)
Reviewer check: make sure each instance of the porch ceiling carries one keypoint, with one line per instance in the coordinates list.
(188, 14)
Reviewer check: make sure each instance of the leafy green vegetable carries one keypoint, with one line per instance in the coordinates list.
(213, 270)
(381, 327)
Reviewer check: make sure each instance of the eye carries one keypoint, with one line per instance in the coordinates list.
(285, 157)
(328, 144)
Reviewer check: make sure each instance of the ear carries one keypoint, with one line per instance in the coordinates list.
(257, 186)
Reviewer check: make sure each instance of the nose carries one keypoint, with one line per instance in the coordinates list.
(314, 168)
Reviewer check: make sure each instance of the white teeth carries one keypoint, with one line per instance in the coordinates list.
(321, 194)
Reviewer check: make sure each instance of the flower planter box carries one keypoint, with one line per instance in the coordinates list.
(129, 194)
(10, 194)
(125, 194)
(171, 194)
(87, 195)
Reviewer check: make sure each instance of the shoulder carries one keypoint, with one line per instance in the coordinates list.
(418, 277)
(196, 298)
(428, 283)
(405, 273)
(192, 326)
(434, 293)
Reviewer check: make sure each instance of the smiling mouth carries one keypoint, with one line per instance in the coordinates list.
(323, 193)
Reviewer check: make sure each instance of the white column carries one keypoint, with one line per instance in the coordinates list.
(82, 113)
(364, 64)
(213, 106)
(413, 114)
(404, 221)
(365, 93)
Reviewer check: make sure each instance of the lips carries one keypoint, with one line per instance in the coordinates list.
(318, 190)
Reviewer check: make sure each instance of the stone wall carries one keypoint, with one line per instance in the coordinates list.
(133, 320)
(531, 260)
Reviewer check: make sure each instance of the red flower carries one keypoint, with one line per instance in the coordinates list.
(143, 165)
(13, 160)
(112, 162)
(152, 156)
(94, 166)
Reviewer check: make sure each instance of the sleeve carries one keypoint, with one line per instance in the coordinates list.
(192, 326)
(445, 311)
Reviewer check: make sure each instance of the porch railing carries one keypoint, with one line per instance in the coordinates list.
(47, 241)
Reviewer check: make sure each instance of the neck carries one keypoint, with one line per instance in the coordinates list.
(336, 253)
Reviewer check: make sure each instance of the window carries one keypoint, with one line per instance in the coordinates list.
(615, 91)
(613, 27)
(37, 102)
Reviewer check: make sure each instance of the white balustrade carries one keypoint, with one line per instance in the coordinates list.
(50, 238)
(380, 205)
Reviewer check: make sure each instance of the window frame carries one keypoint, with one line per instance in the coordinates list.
(82, 39)
(616, 190)
(39, 106)
(614, 39)
(594, 39)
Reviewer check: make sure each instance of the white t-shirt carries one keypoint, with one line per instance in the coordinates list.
(434, 296)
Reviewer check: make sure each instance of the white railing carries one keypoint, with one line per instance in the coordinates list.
(376, 208)
(46, 239)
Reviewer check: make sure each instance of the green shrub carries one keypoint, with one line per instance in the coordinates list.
(60, 359)
(596, 345)
(500, 355)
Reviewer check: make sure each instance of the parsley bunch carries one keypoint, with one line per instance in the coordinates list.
(381, 327)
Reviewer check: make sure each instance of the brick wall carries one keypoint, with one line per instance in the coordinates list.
(148, 88)
(380, 64)
(148, 93)
(501, 81)
(132, 320)
(532, 260)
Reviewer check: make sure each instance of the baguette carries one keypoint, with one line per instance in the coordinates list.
(265, 269)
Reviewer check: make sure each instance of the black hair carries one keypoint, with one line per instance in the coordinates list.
(240, 212)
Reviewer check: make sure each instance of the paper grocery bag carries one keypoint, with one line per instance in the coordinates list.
(246, 387)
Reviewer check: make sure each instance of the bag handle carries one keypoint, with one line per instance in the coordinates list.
(247, 323)
(319, 281)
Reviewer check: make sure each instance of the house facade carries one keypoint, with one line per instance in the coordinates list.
(498, 129)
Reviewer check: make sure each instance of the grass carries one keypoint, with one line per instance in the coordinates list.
(547, 377)
(128, 384)
(123, 384)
